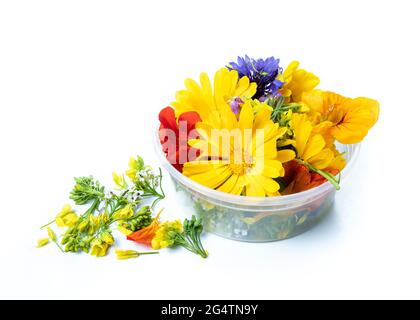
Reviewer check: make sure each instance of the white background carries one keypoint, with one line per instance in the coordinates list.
(81, 83)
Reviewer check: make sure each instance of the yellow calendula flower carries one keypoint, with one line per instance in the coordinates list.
(99, 248)
(246, 165)
(42, 242)
(296, 82)
(165, 235)
(204, 99)
(66, 217)
(347, 120)
(310, 147)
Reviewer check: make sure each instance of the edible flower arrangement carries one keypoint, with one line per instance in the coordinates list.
(257, 130)
(261, 130)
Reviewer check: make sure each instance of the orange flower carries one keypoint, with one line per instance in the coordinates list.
(347, 120)
(146, 235)
(298, 178)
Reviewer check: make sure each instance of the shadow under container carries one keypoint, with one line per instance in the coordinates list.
(257, 219)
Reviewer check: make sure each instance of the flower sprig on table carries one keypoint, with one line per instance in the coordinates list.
(124, 206)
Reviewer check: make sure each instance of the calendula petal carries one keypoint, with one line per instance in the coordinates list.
(285, 155)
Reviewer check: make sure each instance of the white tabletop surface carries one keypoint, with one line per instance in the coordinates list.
(81, 83)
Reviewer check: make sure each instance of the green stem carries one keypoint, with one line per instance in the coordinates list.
(332, 179)
(59, 247)
(46, 225)
(148, 252)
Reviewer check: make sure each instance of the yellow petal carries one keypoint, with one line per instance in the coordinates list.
(42, 242)
(323, 159)
(269, 185)
(213, 178)
(229, 184)
(315, 144)
(246, 117)
(302, 130)
(285, 155)
(253, 188)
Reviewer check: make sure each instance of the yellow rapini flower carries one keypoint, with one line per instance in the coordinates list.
(93, 224)
(124, 230)
(51, 234)
(165, 235)
(204, 99)
(310, 147)
(123, 213)
(296, 82)
(66, 217)
(119, 180)
(99, 248)
(107, 238)
(42, 242)
(132, 169)
(83, 225)
(130, 254)
(347, 120)
(247, 167)
(126, 254)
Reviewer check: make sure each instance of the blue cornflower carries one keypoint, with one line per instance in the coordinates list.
(262, 72)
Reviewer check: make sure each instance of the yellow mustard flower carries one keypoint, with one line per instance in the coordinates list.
(124, 213)
(132, 169)
(42, 242)
(103, 218)
(310, 147)
(124, 230)
(99, 248)
(83, 225)
(107, 238)
(130, 254)
(347, 120)
(296, 82)
(119, 180)
(134, 165)
(66, 217)
(51, 234)
(204, 99)
(93, 224)
(165, 235)
(248, 166)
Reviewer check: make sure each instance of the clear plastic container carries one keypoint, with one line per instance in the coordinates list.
(257, 219)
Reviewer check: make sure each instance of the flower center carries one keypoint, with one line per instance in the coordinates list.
(244, 166)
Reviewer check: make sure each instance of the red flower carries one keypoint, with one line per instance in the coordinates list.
(298, 178)
(174, 136)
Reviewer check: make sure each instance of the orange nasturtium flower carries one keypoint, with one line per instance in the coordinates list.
(146, 235)
(299, 178)
(347, 120)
